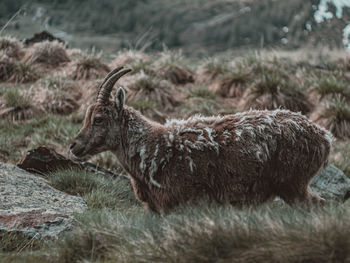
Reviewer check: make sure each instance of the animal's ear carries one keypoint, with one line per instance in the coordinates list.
(120, 99)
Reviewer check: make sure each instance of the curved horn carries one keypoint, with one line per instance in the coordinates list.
(107, 77)
(106, 89)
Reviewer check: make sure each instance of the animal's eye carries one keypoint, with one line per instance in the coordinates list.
(98, 120)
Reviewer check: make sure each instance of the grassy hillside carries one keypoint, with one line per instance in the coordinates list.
(45, 90)
(196, 26)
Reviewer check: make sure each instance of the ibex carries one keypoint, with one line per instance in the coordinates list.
(241, 159)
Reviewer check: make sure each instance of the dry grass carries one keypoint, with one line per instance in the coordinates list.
(89, 67)
(335, 116)
(152, 89)
(17, 106)
(12, 47)
(331, 85)
(6, 67)
(136, 60)
(23, 72)
(271, 91)
(210, 69)
(56, 95)
(172, 66)
(115, 228)
(232, 84)
(47, 53)
(208, 233)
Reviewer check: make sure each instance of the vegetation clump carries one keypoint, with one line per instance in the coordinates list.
(271, 91)
(89, 67)
(7, 66)
(12, 47)
(210, 69)
(149, 91)
(136, 60)
(17, 106)
(171, 66)
(56, 95)
(331, 85)
(335, 116)
(47, 53)
(232, 84)
(23, 72)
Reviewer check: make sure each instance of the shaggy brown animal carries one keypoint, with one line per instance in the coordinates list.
(242, 159)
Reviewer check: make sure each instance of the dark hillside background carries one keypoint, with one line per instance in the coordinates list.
(197, 25)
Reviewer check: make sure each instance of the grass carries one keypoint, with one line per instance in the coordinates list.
(331, 85)
(136, 60)
(14, 98)
(56, 94)
(56, 82)
(207, 233)
(89, 67)
(99, 192)
(341, 156)
(201, 92)
(271, 91)
(233, 83)
(23, 73)
(11, 46)
(172, 66)
(152, 89)
(6, 67)
(51, 130)
(336, 116)
(116, 229)
(142, 105)
(47, 53)
(210, 69)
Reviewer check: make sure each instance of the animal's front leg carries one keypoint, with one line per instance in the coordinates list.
(142, 194)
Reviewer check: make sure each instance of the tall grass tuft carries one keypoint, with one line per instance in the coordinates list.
(336, 117)
(272, 91)
(172, 66)
(89, 67)
(47, 53)
(12, 47)
(331, 85)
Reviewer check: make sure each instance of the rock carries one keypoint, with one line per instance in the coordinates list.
(40, 37)
(44, 160)
(29, 206)
(332, 184)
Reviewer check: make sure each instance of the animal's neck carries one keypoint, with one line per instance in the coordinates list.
(138, 136)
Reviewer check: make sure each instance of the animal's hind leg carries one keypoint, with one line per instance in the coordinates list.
(303, 195)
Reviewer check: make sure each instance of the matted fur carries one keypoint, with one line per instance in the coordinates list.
(242, 159)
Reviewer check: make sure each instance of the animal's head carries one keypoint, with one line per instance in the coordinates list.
(101, 128)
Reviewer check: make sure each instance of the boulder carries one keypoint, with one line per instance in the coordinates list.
(332, 184)
(29, 206)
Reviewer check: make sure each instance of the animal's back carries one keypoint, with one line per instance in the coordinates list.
(248, 157)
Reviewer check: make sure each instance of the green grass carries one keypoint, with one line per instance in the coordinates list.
(23, 73)
(142, 105)
(201, 92)
(99, 192)
(56, 82)
(207, 233)
(13, 98)
(48, 130)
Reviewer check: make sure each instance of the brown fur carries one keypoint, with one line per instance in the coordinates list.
(242, 159)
